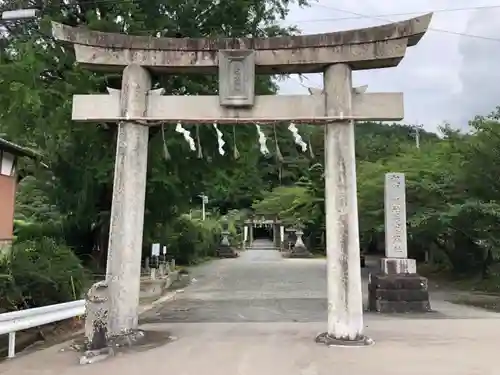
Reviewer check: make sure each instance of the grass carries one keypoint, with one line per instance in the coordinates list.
(485, 301)
(470, 291)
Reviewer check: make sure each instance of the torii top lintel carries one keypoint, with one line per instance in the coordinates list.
(369, 48)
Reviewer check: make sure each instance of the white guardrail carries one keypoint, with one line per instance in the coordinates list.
(15, 321)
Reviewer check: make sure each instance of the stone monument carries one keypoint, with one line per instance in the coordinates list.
(398, 287)
(136, 107)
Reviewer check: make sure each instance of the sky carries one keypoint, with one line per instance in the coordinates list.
(445, 78)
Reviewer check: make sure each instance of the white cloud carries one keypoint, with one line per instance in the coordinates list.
(446, 77)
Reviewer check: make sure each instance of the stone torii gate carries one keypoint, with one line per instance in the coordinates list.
(237, 60)
(275, 225)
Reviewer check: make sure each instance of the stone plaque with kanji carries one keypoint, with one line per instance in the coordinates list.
(236, 78)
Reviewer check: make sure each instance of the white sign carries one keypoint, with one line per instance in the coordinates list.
(282, 233)
(155, 250)
(245, 233)
(164, 250)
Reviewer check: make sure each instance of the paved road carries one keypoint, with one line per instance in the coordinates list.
(259, 314)
(261, 286)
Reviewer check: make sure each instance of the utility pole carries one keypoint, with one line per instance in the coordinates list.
(417, 129)
(19, 14)
(204, 200)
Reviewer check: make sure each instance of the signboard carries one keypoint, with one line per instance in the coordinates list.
(155, 250)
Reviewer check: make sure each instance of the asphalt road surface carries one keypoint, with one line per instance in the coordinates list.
(262, 286)
(259, 286)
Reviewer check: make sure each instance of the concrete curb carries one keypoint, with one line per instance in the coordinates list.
(170, 296)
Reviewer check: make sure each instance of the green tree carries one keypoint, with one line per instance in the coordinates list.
(39, 77)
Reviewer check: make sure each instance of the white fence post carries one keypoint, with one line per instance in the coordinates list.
(12, 345)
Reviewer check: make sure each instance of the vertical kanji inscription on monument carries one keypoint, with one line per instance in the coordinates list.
(395, 216)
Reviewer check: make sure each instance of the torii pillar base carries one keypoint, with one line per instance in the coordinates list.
(324, 338)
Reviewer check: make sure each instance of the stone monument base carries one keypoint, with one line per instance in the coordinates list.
(225, 251)
(398, 288)
(297, 252)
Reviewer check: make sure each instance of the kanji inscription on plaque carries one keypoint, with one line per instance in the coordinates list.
(236, 78)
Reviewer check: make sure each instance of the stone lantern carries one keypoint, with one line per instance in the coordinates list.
(9, 154)
(299, 249)
(225, 250)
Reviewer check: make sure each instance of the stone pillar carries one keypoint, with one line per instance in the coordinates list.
(249, 226)
(282, 236)
(277, 234)
(127, 211)
(345, 301)
(290, 238)
(250, 230)
(245, 236)
(396, 245)
(398, 287)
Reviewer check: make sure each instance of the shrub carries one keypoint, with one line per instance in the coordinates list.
(25, 231)
(40, 272)
(190, 240)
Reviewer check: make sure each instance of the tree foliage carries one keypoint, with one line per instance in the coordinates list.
(451, 192)
(38, 78)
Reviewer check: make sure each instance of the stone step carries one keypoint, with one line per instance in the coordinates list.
(409, 281)
(399, 306)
